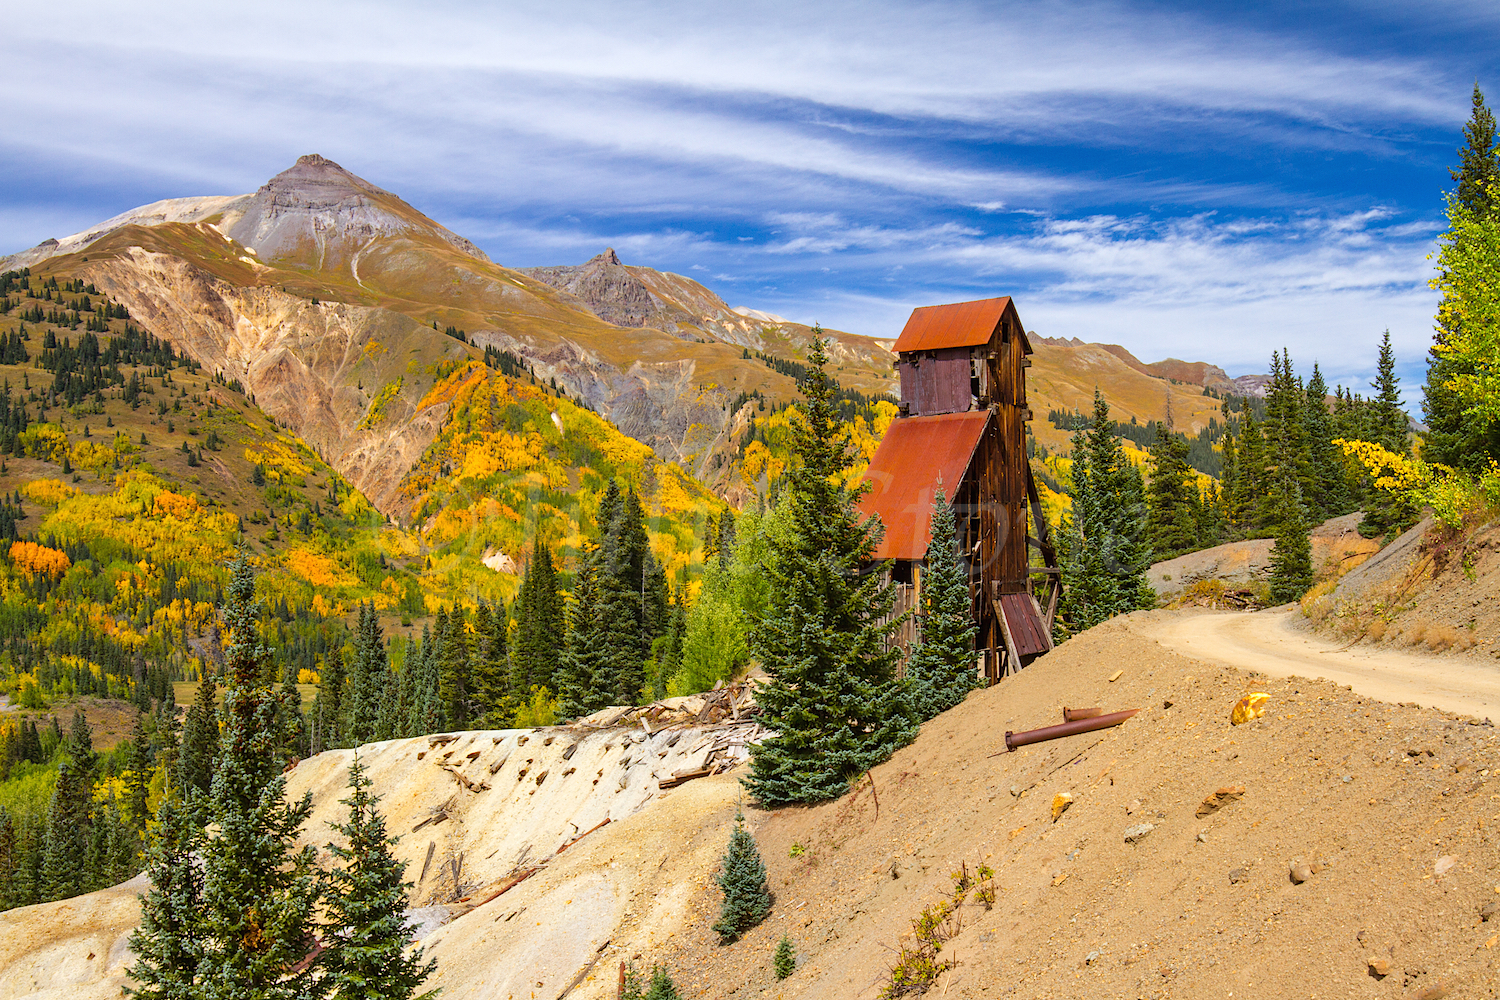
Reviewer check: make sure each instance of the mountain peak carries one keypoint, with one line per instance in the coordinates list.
(607, 257)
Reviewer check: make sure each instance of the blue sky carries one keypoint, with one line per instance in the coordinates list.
(1205, 181)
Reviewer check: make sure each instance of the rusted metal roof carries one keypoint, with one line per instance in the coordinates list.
(1026, 626)
(914, 455)
(959, 324)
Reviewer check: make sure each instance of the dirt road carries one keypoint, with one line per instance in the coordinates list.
(1275, 643)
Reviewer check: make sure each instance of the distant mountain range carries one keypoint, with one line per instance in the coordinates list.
(321, 292)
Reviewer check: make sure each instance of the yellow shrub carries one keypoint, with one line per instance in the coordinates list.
(94, 457)
(48, 491)
(44, 441)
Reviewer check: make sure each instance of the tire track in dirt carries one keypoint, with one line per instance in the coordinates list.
(1275, 643)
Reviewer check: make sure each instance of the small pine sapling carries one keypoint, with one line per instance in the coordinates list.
(786, 958)
(747, 897)
(662, 987)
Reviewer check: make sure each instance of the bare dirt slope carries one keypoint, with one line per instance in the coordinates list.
(1398, 805)
(1431, 590)
(1379, 793)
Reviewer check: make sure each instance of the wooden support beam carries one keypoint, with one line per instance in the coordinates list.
(1011, 651)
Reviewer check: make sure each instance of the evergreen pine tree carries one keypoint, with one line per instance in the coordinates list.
(1246, 510)
(1478, 170)
(365, 931)
(1228, 477)
(1390, 419)
(10, 861)
(167, 944)
(669, 653)
(742, 880)
(453, 679)
(368, 679)
(200, 742)
(332, 698)
(80, 745)
(1171, 499)
(620, 671)
(1291, 555)
(1385, 511)
(259, 893)
(662, 987)
(489, 673)
(137, 773)
(582, 658)
(65, 841)
(940, 669)
(785, 962)
(831, 695)
(1286, 442)
(429, 704)
(1106, 552)
(539, 626)
(1328, 495)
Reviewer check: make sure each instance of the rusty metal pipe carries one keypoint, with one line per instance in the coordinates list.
(1074, 714)
(1013, 740)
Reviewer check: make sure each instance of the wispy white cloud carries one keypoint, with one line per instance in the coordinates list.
(844, 161)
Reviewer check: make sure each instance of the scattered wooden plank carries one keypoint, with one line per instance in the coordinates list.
(568, 753)
(603, 823)
(434, 819)
(684, 776)
(583, 973)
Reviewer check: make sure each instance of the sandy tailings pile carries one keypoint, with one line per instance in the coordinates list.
(531, 850)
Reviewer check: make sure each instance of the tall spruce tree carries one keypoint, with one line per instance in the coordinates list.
(1172, 497)
(1390, 419)
(1328, 495)
(259, 892)
(136, 773)
(66, 836)
(365, 933)
(490, 674)
(1106, 553)
(831, 694)
(1286, 442)
(454, 680)
(368, 680)
(168, 943)
(940, 669)
(1291, 554)
(583, 646)
(1386, 512)
(622, 589)
(539, 626)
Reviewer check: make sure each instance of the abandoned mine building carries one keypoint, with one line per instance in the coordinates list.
(962, 426)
